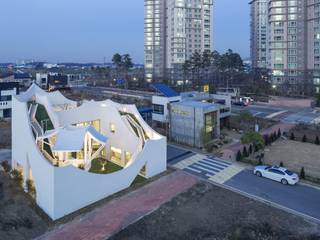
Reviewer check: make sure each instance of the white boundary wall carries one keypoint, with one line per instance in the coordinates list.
(61, 191)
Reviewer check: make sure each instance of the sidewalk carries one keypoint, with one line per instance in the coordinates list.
(107, 220)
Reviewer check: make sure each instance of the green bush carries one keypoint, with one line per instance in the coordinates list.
(253, 138)
(6, 166)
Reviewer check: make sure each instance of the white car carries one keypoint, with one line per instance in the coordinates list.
(278, 174)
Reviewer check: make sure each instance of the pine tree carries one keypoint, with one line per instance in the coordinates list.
(292, 136)
(239, 156)
(245, 152)
(279, 133)
(250, 149)
(302, 173)
(304, 139)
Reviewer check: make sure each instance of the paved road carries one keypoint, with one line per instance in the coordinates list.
(284, 114)
(106, 91)
(299, 198)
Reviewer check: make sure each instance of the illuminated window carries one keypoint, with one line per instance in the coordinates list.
(112, 128)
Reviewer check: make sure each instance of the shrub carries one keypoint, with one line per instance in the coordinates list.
(253, 138)
(304, 139)
(30, 187)
(256, 149)
(81, 166)
(239, 156)
(17, 176)
(6, 166)
(274, 136)
(245, 152)
(292, 136)
(266, 139)
(250, 149)
(317, 141)
(302, 173)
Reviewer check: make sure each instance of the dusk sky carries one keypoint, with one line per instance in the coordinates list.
(89, 30)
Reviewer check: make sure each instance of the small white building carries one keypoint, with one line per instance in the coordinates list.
(162, 101)
(7, 90)
(56, 142)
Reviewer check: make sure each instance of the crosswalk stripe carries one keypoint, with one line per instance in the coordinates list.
(216, 162)
(193, 170)
(204, 169)
(218, 165)
(210, 165)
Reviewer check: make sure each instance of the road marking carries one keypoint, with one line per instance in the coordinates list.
(193, 170)
(210, 165)
(216, 162)
(204, 169)
(275, 114)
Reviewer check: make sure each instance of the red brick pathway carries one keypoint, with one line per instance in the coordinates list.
(117, 214)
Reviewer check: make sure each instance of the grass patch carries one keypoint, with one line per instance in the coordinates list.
(42, 115)
(138, 180)
(110, 167)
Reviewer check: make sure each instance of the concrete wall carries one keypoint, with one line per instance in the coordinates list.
(187, 124)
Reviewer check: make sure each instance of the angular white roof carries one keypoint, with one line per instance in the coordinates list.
(71, 139)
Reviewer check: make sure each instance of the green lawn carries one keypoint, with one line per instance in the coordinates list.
(111, 167)
(139, 179)
(96, 167)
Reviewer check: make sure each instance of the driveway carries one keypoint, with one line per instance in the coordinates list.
(300, 198)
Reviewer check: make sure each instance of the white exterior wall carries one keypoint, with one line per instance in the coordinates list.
(63, 190)
(164, 101)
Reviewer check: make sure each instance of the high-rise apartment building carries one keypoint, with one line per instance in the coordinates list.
(174, 30)
(259, 22)
(291, 46)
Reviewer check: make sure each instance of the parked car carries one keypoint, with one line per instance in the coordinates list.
(242, 104)
(276, 173)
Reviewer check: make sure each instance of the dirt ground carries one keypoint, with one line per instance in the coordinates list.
(5, 134)
(294, 156)
(19, 218)
(209, 212)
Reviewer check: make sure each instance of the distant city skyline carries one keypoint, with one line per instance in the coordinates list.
(87, 31)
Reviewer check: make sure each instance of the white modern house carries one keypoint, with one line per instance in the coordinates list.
(55, 142)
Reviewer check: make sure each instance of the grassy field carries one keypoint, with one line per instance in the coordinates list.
(212, 213)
